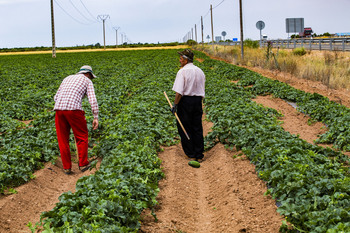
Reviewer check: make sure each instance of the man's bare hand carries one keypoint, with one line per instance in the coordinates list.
(95, 124)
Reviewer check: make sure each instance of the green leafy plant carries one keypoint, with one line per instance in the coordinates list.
(299, 51)
(309, 183)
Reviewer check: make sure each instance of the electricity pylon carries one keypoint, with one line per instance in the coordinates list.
(103, 18)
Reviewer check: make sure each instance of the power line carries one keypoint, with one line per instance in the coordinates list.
(79, 11)
(69, 14)
(218, 4)
(206, 14)
(93, 17)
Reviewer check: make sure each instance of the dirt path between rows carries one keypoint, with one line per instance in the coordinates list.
(38, 195)
(341, 96)
(293, 121)
(223, 195)
(296, 122)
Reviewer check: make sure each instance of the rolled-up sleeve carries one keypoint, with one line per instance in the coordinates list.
(179, 83)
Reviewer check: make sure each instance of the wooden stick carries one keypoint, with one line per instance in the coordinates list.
(177, 118)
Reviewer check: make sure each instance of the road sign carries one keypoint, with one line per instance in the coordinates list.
(294, 25)
(235, 39)
(260, 25)
(223, 34)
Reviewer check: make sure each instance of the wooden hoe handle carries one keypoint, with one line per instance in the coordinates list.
(177, 118)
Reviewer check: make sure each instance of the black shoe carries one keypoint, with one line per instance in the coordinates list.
(67, 171)
(84, 168)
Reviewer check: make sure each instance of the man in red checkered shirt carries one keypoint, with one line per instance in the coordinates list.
(69, 114)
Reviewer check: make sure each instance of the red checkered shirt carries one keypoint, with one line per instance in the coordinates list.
(72, 91)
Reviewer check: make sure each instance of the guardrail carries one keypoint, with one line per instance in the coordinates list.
(332, 44)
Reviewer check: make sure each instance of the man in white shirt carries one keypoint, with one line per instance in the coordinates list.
(189, 86)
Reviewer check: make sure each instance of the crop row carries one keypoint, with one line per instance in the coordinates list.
(309, 183)
(113, 198)
(28, 84)
(133, 124)
(318, 107)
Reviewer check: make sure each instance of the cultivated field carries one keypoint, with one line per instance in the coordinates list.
(264, 170)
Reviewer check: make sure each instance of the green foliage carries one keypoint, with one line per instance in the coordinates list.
(191, 42)
(254, 44)
(309, 183)
(135, 121)
(133, 124)
(294, 36)
(299, 51)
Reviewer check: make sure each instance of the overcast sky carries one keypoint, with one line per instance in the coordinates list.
(27, 23)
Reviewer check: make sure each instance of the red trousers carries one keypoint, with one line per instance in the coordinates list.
(65, 120)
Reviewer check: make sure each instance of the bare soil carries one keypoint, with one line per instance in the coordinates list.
(341, 96)
(293, 121)
(38, 195)
(223, 195)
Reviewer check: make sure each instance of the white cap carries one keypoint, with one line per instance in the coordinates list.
(86, 69)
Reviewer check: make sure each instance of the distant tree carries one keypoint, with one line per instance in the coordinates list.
(251, 43)
(97, 45)
(294, 36)
(191, 42)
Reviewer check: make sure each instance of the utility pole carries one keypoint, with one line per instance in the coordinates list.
(195, 28)
(212, 28)
(103, 18)
(116, 36)
(202, 30)
(53, 31)
(241, 25)
(192, 33)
